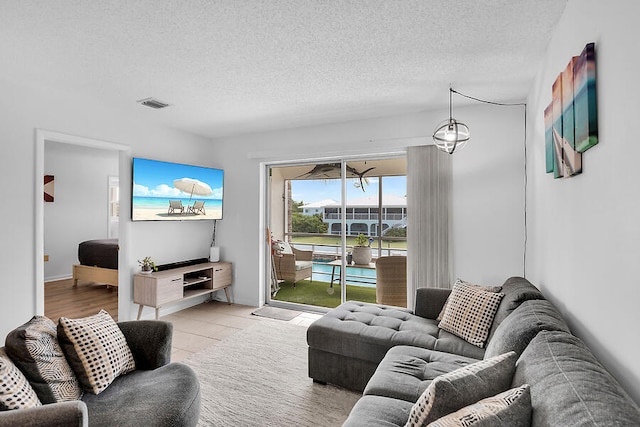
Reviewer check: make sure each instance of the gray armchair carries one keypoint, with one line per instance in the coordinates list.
(157, 393)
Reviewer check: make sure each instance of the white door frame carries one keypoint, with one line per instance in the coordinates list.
(124, 287)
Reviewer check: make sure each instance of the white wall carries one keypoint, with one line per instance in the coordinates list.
(79, 211)
(584, 238)
(488, 193)
(23, 109)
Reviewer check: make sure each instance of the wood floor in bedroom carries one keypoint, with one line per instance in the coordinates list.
(194, 328)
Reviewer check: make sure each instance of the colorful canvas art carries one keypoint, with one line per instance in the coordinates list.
(571, 117)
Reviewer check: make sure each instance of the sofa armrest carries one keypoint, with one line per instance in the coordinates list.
(149, 341)
(63, 414)
(429, 302)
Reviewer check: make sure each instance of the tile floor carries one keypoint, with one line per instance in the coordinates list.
(207, 324)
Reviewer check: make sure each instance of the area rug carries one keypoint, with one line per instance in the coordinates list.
(276, 313)
(259, 377)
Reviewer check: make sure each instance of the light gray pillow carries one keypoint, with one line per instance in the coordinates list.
(511, 408)
(459, 388)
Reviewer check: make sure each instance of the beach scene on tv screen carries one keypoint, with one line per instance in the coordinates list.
(174, 192)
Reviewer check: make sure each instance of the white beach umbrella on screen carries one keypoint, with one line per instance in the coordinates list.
(193, 186)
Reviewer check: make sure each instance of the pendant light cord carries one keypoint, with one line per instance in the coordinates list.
(506, 104)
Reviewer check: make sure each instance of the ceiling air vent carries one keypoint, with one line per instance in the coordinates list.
(153, 103)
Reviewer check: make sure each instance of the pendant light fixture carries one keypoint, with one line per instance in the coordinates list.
(451, 134)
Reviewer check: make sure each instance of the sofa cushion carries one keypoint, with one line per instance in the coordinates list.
(34, 348)
(378, 411)
(406, 372)
(568, 383)
(511, 408)
(15, 390)
(367, 331)
(462, 387)
(516, 290)
(167, 396)
(96, 350)
(301, 265)
(469, 313)
(522, 325)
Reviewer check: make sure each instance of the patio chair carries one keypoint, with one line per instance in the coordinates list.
(293, 264)
(197, 208)
(391, 281)
(175, 206)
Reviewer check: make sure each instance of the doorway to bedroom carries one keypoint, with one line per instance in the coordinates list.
(83, 206)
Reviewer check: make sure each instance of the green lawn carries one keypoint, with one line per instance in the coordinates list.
(315, 293)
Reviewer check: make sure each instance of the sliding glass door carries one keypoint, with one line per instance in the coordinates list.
(328, 223)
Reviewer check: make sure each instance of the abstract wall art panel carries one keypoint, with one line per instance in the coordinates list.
(586, 116)
(572, 159)
(571, 118)
(548, 138)
(556, 105)
(48, 188)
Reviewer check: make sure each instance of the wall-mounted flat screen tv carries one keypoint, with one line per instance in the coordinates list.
(164, 191)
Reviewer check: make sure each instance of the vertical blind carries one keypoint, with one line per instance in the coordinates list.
(429, 176)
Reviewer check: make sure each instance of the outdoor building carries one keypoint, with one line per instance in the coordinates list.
(317, 207)
(362, 215)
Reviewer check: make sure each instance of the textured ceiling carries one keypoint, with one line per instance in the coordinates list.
(231, 66)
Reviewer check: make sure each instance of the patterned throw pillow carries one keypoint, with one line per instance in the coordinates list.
(462, 282)
(511, 408)
(34, 348)
(470, 312)
(462, 387)
(15, 390)
(96, 350)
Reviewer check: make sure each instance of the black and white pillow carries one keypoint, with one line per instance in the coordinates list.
(34, 348)
(459, 388)
(15, 390)
(462, 282)
(469, 313)
(510, 408)
(96, 350)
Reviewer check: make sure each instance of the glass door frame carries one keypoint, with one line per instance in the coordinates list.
(266, 220)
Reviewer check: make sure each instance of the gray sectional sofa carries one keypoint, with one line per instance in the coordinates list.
(393, 354)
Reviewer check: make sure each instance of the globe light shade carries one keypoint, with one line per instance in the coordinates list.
(451, 135)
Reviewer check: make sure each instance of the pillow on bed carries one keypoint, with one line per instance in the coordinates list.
(96, 350)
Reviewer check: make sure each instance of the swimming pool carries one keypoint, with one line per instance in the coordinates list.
(355, 276)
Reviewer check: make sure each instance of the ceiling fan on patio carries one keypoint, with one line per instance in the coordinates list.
(334, 170)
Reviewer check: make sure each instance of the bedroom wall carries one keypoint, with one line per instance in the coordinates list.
(25, 108)
(584, 230)
(488, 183)
(79, 211)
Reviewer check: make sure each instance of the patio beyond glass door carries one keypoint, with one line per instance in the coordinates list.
(320, 224)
